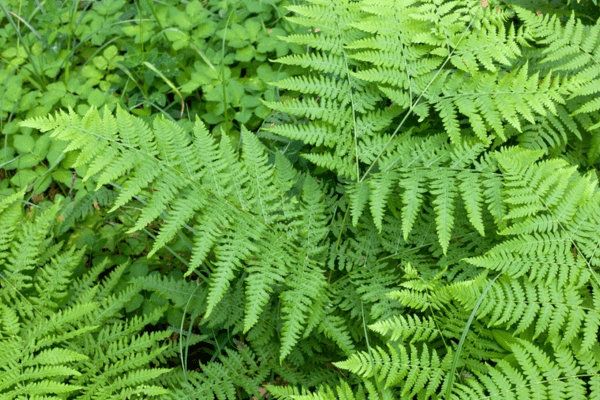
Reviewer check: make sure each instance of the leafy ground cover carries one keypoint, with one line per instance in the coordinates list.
(299, 199)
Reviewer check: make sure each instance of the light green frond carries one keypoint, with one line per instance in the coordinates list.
(144, 390)
(22, 246)
(181, 293)
(343, 391)
(358, 193)
(139, 180)
(486, 100)
(488, 47)
(410, 368)
(307, 285)
(381, 185)
(135, 133)
(444, 188)
(591, 324)
(210, 154)
(130, 383)
(330, 17)
(265, 271)
(318, 133)
(54, 282)
(335, 328)
(414, 187)
(327, 110)
(447, 111)
(344, 167)
(331, 44)
(10, 321)
(106, 286)
(230, 252)
(56, 356)
(403, 328)
(261, 174)
(552, 311)
(320, 86)
(314, 225)
(542, 257)
(471, 193)
(533, 374)
(448, 119)
(184, 179)
(51, 341)
(414, 299)
(182, 210)
(211, 226)
(323, 62)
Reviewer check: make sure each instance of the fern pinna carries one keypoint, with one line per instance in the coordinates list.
(447, 249)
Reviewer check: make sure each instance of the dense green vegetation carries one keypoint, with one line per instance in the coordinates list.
(299, 199)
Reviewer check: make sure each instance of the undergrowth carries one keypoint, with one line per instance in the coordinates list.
(376, 199)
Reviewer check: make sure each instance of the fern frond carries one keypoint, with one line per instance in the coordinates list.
(409, 368)
(231, 250)
(324, 62)
(343, 391)
(307, 286)
(335, 328)
(444, 188)
(413, 184)
(358, 194)
(314, 229)
(380, 187)
(402, 328)
(218, 191)
(265, 271)
(533, 375)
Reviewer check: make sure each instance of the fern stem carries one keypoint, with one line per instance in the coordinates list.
(339, 239)
(353, 115)
(437, 326)
(463, 337)
(371, 359)
(187, 344)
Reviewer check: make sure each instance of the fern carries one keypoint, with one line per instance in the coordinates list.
(59, 341)
(238, 206)
(483, 88)
(411, 369)
(331, 115)
(439, 237)
(547, 293)
(570, 49)
(537, 376)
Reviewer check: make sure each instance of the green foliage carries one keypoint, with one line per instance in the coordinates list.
(421, 219)
(238, 206)
(198, 58)
(64, 336)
